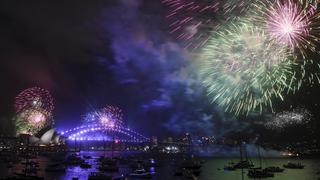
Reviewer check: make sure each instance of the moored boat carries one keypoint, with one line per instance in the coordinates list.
(22, 176)
(273, 169)
(85, 165)
(73, 160)
(108, 168)
(258, 173)
(99, 176)
(229, 168)
(141, 173)
(55, 168)
(191, 164)
(87, 157)
(243, 164)
(293, 166)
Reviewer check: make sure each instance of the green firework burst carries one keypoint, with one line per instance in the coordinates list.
(243, 70)
(31, 121)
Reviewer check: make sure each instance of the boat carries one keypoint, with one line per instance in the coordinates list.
(178, 172)
(244, 164)
(73, 160)
(187, 174)
(196, 172)
(181, 171)
(31, 163)
(30, 170)
(85, 165)
(98, 176)
(141, 173)
(124, 161)
(191, 164)
(108, 165)
(87, 157)
(21, 176)
(55, 168)
(258, 173)
(273, 169)
(229, 168)
(28, 156)
(104, 159)
(122, 177)
(135, 165)
(293, 166)
(108, 168)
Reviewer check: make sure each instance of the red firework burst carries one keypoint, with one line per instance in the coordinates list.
(34, 98)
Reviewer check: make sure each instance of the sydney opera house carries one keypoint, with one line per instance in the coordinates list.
(48, 136)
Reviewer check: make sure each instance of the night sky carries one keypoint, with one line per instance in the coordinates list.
(89, 54)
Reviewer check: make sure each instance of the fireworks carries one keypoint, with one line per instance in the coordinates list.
(291, 22)
(243, 69)
(285, 119)
(103, 125)
(311, 70)
(108, 116)
(34, 98)
(36, 118)
(34, 107)
(114, 112)
(192, 21)
(31, 121)
(90, 117)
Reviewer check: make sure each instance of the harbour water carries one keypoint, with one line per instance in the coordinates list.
(212, 168)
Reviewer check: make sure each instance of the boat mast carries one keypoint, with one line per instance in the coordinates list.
(241, 152)
(259, 154)
(241, 159)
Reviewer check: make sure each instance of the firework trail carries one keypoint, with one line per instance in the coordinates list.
(192, 21)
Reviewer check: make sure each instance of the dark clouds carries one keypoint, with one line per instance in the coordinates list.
(161, 75)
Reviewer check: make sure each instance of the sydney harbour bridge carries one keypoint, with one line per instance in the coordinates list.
(97, 132)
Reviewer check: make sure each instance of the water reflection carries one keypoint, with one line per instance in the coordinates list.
(152, 169)
(211, 169)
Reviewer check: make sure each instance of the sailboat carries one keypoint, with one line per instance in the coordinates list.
(244, 163)
(259, 172)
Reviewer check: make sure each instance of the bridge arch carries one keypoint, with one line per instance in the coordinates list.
(97, 132)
